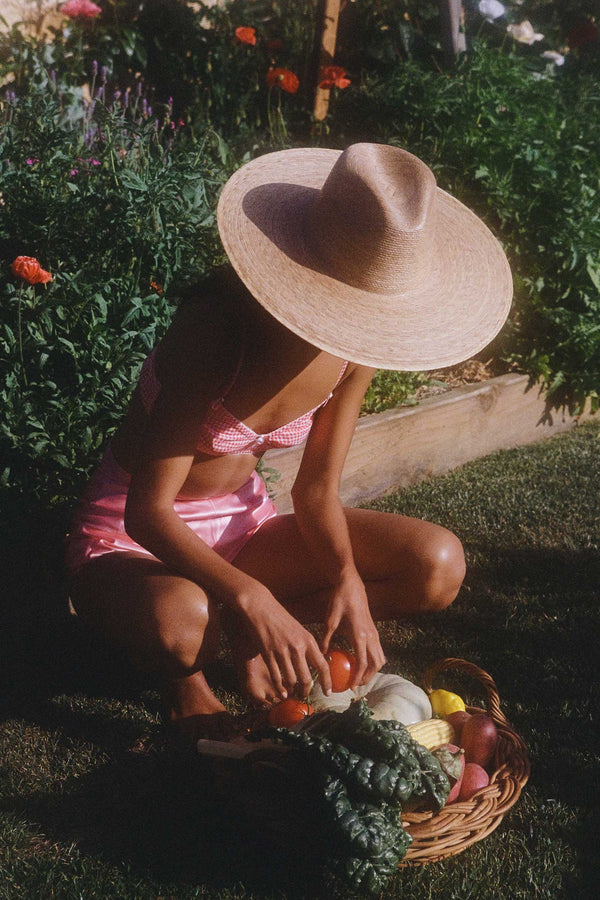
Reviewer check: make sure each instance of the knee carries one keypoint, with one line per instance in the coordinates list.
(188, 636)
(443, 569)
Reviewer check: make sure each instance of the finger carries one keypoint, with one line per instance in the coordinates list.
(304, 679)
(360, 651)
(326, 640)
(318, 662)
(378, 654)
(288, 671)
(275, 673)
(375, 659)
(332, 627)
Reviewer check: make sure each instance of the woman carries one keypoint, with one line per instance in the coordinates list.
(340, 263)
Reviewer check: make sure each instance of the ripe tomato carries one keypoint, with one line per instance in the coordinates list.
(342, 667)
(288, 712)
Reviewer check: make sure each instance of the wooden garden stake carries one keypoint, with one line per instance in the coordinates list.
(453, 37)
(331, 15)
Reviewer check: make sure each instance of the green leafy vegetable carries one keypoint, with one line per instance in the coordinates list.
(364, 771)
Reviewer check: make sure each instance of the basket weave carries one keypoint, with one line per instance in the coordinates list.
(457, 826)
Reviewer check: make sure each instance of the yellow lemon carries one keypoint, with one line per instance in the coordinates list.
(443, 703)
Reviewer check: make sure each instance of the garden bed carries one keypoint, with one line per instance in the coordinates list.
(400, 447)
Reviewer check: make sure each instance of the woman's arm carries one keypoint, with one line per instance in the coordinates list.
(323, 525)
(288, 649)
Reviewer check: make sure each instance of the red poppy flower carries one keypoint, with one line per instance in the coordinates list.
(246, 35)
(29, 269)
(156, 286)
(334, 76)
(284, 79)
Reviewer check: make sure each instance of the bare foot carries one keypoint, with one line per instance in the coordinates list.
(253, 673)
(255, 680)
(194, 711)
(191, 706)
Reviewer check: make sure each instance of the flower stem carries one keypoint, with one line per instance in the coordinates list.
(20, 333)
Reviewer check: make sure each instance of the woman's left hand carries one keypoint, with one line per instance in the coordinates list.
(349, 615)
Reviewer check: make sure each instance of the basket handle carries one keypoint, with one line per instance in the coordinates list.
(461, 665)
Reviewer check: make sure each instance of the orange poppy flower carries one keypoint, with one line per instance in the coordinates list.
(334, 76)
(29, 269)
(156, 287)
(246, 35)
(284, 79)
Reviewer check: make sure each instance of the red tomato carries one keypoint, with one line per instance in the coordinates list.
(288, 712)
(342, 668)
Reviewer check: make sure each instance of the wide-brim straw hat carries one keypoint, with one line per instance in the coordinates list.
(362, 255)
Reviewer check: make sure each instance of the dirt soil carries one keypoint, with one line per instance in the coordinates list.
(470, 372)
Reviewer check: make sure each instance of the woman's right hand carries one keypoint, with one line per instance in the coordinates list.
(290, 653)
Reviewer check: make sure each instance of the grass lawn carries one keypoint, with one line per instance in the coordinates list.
(94, 803)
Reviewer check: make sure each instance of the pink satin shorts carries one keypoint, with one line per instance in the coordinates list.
(225, 523)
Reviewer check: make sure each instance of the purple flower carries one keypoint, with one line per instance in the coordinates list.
(74, 172)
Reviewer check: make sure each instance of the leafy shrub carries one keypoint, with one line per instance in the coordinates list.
(119, 207)
(189, 56)
(520, 145)
(391, 389)
(111, 195)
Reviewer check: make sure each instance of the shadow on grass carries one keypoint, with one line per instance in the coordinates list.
(173, 822)
(525, 615)
(152, 806)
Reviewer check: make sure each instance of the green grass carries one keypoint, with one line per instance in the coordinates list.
(95, 804)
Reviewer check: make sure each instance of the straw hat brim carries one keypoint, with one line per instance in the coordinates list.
(454, 312)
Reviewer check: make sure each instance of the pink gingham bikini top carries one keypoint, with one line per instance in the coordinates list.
(221, 432)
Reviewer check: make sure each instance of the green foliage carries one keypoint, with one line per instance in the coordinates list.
(519, 144)
(377, 37)
(389, 389)
(110, 165)
(188, 55)
(119, 212)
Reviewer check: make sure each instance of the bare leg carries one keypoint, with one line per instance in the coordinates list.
(166, 625)
(408, 566)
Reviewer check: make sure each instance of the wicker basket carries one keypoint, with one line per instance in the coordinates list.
(439, 835)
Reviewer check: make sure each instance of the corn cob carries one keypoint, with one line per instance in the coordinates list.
(432, 733)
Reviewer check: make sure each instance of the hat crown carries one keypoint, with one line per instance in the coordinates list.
(373, 223)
